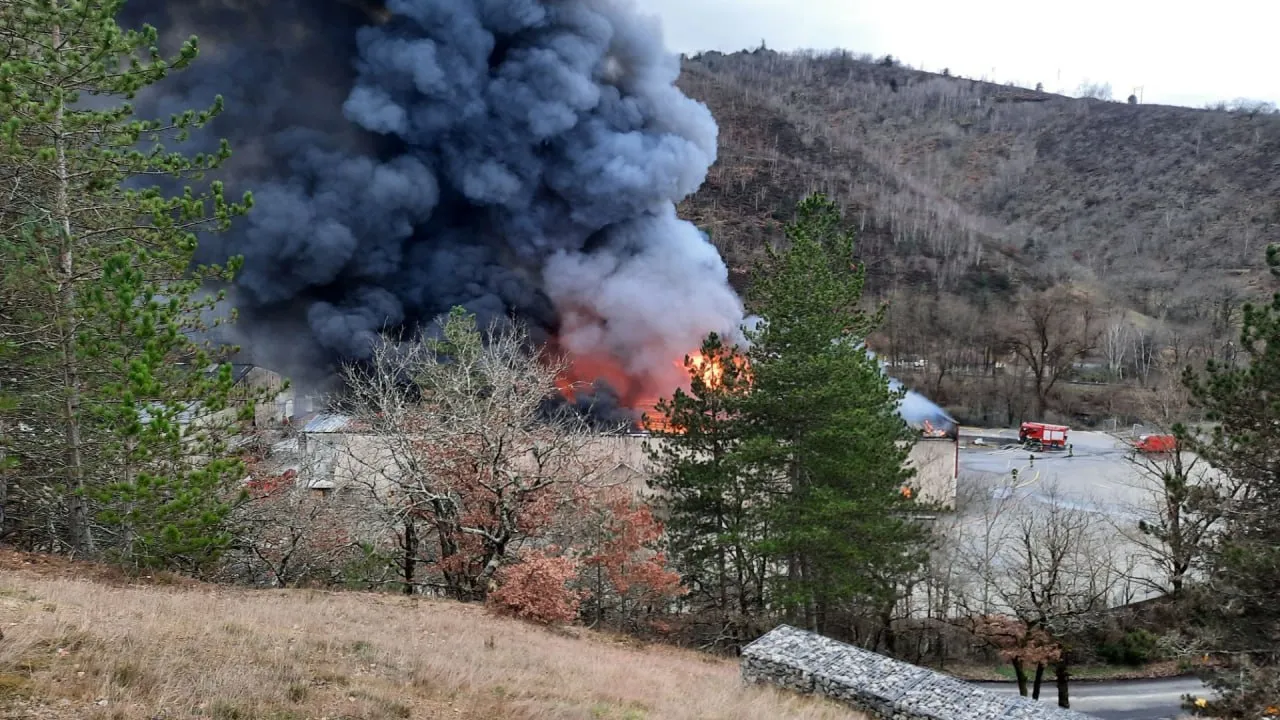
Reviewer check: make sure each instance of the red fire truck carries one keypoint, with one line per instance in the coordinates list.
(1156, 444)
(1041, 436)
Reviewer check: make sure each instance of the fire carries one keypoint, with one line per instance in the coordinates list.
(710, 369)
(639, 394)
(642, 394)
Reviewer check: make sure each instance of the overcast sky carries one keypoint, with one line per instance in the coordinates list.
(1179, 53)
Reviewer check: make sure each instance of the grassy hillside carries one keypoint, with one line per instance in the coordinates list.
(81, 642)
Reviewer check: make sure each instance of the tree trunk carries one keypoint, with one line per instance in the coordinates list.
(77, 505)
(1061, 670)
(599, 594)
(890, 637)
(4, 471)
(794, 579)
(744, 602)
(820, 615)
(723, 577)
(1035, 687)
(1042, 402)
(128, 535)
(447, 532)
(1020, 673)
(497, 552)
(410, 554)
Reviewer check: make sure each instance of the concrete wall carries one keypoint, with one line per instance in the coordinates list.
(879, 686)
(352, 457)
(937, 463)
(347, 459)
(275, 401)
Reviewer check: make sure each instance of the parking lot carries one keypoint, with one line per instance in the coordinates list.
(1099, 474)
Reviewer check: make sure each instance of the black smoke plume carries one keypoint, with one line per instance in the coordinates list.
(521, 158)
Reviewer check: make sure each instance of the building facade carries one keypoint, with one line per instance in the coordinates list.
(346, 457)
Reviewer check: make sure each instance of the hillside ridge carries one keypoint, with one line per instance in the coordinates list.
(971, 200)
(949, 178)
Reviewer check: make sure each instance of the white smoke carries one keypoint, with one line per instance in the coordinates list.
(647, 298)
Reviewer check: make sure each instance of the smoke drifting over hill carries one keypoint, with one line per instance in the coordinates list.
(520, 158)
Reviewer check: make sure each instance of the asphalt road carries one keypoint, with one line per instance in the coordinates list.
(1120, 700)
(1097, 473)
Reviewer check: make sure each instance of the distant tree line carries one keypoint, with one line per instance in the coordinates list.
(1055, 355)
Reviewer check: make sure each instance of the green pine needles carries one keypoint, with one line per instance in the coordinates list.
(116, 412)
(783, 480)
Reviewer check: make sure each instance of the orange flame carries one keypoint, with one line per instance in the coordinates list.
(710, 369)
(640, 394)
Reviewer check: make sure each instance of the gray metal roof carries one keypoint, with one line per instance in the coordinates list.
(327, 423)
(190, 411)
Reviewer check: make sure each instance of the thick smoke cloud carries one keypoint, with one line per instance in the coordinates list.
(521, 158)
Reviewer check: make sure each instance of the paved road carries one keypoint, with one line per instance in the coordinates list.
(1096, 473)
(1120, 700)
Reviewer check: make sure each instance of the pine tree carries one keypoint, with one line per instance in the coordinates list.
(713, 507)
(821, 422)
(124, 450)
(1242, 619)
(21, 336)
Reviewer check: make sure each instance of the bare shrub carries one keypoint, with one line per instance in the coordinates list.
(458, 441)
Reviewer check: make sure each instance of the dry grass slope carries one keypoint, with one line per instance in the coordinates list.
(82, 643)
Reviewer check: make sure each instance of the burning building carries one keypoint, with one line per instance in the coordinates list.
(356, 456)
(332, 446)
(520, 158)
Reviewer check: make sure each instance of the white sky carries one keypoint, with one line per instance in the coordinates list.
(1180, 53)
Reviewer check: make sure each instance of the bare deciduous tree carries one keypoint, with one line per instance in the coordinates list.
(1052, 331)
(1060, 572)
(458, 438)
(1116, 346)
(1184, 499)
(1165, 400)
(1145, 353)
(1094, 90)
(1041, 571)
(294, 529)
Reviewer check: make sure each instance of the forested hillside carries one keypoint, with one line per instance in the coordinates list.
(1143, 226)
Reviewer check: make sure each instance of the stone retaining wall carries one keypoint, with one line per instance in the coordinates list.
(880, 686)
